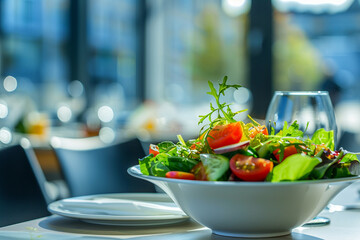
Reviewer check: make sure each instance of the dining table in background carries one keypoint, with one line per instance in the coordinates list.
(344, 225)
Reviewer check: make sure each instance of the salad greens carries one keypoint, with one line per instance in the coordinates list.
(296, 167)
(171, 157)
(224, 114)
(227, 149)
(222, 108)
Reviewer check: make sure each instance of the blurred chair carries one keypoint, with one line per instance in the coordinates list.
(90, 166)
(22, 185)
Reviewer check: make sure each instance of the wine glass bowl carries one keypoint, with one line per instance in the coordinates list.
(311, 109)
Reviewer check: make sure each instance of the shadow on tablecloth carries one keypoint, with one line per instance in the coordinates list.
(184, 230)
(68, 225)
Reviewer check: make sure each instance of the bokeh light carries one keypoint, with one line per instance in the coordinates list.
(107, 135)
(4, 111)
(10, 84)
(106, 114)
(5, 135)
(64, 113)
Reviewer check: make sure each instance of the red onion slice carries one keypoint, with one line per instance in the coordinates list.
(231, 148)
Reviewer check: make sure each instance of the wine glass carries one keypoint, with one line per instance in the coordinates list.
(311, 109)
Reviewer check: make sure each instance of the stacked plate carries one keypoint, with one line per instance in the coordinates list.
(123, 209)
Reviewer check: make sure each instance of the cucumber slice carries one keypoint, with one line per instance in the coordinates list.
(215, 166)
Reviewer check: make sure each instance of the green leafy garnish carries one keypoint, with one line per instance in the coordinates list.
(288, 136)
(320, 170)
(223, 110)
(163, 163)
(295, 167)
(349, 157)
(324, 137)
(179, 156)
(224, 114)
(291, 131)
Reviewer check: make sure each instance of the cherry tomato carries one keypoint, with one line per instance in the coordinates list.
(194, 146)
(288, 151)
(256, 130)
(153, 149)
(248, 168)
(180, 175)
(223, 135)
(199, 172)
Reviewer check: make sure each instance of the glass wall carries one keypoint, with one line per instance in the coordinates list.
(144, 64)
(65, 60)
(197, 42)
(33, 50)
(112, 38)
(189, 43)
(317, 48)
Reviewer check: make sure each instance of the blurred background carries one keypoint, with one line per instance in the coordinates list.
(116, 68)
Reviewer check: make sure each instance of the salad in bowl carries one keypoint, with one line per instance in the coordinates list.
(243, 179)
(231, 150)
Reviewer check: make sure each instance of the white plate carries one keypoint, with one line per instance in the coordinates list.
(123, 209)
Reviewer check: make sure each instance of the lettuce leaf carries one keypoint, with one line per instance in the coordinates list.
(320, 170)
(163, 163)
(155, 166)
(291, 131)
(349, 157)
(321, 136)
(295, 167)
(347, 169)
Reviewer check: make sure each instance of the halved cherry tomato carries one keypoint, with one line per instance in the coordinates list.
(248, 168)
(199, 172)
(153, 149)
(180, 175)
(223, 135)
(256, 130)
(288, 151)
(193, 147)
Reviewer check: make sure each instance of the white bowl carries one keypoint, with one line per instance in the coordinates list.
(250, 209)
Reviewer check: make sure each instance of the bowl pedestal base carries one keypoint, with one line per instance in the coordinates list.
(250, 235)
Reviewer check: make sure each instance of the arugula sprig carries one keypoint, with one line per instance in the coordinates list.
(224, 114)
(223, 110)
(181, 149)
(181, 156)
(288, 136)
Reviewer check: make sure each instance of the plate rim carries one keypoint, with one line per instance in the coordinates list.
(54, 209)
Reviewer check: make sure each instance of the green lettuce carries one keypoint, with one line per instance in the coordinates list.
(341, 169)
(163, 163)
(291, 131)
(320, 170)
(349, 157)
(171, 157)
(295, 167)
(321, 136)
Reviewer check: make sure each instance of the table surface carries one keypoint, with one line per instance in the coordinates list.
(344, 225)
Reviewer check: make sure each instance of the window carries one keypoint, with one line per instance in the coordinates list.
(68, 59)
(190, 43)
(33, 48)
(317, 48)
